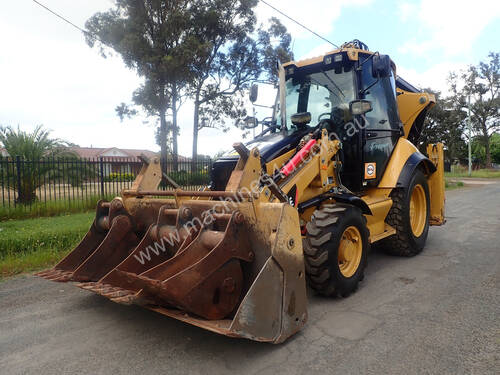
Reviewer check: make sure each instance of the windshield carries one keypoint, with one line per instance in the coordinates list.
(324, 94)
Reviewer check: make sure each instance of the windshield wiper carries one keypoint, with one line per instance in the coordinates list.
(333, 83)
(326, 87)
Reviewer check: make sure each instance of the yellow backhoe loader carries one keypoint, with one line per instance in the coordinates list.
(334, 171)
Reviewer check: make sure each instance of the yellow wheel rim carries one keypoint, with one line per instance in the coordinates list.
(350, 251)
(418, 210)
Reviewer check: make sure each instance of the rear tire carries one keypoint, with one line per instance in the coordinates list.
(335, 249)
(407, 217)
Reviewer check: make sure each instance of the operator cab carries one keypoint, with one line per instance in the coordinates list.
(351, 93)
(355, 100)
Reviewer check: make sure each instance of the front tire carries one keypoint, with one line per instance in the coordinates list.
(409, 215)
(335, 249)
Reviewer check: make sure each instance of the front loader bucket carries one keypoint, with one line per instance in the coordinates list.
(104, 246)
(229, 272)
(231, 266)
(64, 269)
(269, 301)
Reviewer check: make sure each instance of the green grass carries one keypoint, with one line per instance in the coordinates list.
(452, 185)
(34, 244)
(480, 173)
(49, 208)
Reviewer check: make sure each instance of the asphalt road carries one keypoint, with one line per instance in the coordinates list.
(436, 313)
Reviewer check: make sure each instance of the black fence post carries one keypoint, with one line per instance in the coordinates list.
(101, 167)
(18, 168)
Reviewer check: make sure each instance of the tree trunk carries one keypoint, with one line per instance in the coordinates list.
(26, 197)
(163, 139)
(27, 189)
(196, 123)
(175, 153)
(163, 131)
(487, 151)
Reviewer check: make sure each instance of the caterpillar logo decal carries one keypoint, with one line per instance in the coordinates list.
(370, 171)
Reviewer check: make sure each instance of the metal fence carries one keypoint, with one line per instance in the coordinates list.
(78, 183)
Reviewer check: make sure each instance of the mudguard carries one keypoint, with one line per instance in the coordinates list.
(416, 160)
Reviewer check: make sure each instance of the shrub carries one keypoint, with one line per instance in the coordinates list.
(185, 178)
(119, 177)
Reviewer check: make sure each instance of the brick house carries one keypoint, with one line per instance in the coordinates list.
(116, 160)
(120, 160)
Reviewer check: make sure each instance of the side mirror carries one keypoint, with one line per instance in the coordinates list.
(250, 123)
(301, 119)
(254, 93)
(360, 107)
(381, 66)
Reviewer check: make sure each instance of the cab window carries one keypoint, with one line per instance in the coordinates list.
(383, 97)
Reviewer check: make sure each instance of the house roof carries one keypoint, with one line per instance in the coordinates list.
(107, 153)
(96, 152)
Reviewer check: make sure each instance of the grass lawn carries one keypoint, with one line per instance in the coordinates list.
(452, 185)
(34, 244)
(480, 173)
(49, 208)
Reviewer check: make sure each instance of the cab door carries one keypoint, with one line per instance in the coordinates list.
(382, 124)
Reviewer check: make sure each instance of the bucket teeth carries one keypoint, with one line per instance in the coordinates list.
(86, 286)
(64, 277)
(131, 299)
(45, 272)
(117, 293)
(56, 275)
(98, 288)
(106, 290)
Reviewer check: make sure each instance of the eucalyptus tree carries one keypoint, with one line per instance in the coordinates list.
(477, 89)
(155, 38)
(444, 123)
(233, 53)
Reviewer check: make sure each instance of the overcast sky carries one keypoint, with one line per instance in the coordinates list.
(49, 76)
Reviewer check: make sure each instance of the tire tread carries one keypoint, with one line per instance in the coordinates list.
(401, 244)
(320, 230)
